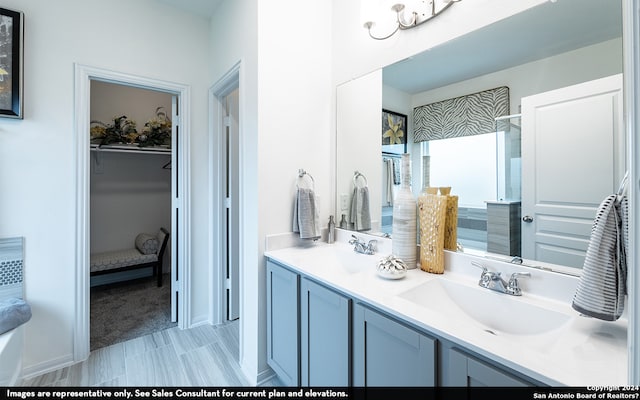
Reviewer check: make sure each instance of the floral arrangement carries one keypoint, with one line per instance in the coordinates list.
(121, 130)
(156, 131)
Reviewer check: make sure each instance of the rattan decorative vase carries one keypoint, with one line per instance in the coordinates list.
(405, 230)
(451, 220)
(433, 212)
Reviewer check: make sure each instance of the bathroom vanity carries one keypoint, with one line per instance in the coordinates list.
(332, 321)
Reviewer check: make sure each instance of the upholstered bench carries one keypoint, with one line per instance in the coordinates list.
(148, 252)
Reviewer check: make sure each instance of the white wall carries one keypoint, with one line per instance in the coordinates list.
(294, 119)
(37, 172)
(286, 111)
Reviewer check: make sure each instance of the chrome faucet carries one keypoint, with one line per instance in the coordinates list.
(493, 281)
(361, 247)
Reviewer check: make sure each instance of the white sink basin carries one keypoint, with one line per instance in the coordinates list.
(336, 258)
(496, 313)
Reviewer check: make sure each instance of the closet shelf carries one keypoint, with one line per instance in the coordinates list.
(123, 148)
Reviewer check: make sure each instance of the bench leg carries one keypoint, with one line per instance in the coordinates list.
(159, 274)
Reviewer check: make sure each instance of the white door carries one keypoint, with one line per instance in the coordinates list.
(175, 210)
(572, 158)
(232, 285)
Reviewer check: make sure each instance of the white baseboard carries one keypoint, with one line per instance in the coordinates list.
(47, 366)
(265, 376)
(198, 321)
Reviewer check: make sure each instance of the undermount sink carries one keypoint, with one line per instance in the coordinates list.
(496, 313)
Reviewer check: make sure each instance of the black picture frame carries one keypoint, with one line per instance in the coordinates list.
(399, 122)
(11, 66)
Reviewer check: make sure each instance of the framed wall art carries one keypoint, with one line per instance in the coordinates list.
(11, 56)
(394, 131)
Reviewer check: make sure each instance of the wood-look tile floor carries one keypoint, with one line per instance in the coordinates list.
(202, 356)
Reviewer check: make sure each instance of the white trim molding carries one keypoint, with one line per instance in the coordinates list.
(631, 68)
(83, 76)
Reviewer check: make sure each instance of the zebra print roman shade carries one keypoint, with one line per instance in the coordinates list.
(468, 115)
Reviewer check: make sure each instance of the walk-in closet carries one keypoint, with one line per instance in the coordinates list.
(130, 212)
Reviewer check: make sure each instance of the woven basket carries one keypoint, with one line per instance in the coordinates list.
(451, 221)
(432, 209)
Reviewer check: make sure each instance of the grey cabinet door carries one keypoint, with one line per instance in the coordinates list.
(388, 353)
(464, 370)
(283, 345)
(325, 336)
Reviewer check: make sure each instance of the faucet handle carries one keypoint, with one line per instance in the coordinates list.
(513, 287)
(486, 277)
(477, 264)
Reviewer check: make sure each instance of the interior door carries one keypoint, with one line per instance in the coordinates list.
(175, 209)
(572, 158)
(232, 201)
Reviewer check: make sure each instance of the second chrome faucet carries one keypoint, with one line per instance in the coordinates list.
(493, 280)
(361, 247)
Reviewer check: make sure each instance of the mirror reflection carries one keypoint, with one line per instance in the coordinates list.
(502, 176)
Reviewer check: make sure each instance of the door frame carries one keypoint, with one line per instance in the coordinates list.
(181, 232)
(230, 81)
(631, 88)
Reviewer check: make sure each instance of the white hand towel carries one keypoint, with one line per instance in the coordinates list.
(306, 219)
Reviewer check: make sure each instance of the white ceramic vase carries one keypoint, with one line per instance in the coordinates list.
(404, 237)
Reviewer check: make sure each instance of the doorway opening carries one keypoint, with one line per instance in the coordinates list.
(232, 219)
(226, 201)
(130, 212)
(178, 210)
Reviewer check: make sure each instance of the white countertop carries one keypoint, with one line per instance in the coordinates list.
(581, 352)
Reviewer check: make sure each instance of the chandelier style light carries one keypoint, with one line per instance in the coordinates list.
(408, 16)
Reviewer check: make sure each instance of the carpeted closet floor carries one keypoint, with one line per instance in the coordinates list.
(128, 310)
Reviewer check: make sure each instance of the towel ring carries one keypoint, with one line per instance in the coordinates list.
(357, 175)
(301, 174)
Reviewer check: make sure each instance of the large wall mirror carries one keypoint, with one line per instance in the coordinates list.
(503, 174)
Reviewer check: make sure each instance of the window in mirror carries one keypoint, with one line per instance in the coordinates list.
(480, 169)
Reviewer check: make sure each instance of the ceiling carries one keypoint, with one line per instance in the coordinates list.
(204, 8)
(543, 31)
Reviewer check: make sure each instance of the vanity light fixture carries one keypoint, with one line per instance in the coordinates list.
(421, 12)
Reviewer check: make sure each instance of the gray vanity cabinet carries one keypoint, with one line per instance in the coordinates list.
(462, 369)
(325, 335)
(318, 336)
(283, 344)
(388, 353)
